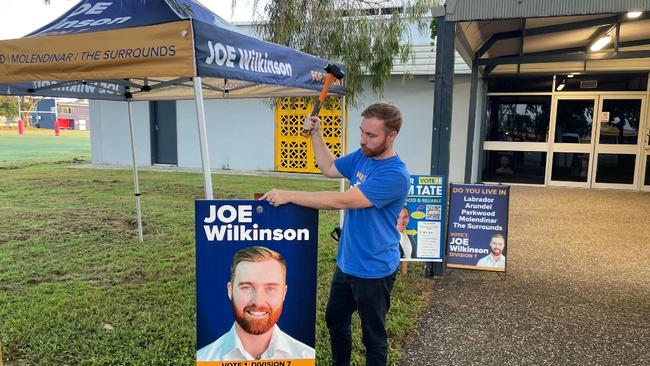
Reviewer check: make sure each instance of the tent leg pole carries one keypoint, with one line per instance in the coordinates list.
(203, 138)
(136, 185)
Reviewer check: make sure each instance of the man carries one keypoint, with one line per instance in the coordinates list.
(407, 244)
(368, 253)
(257, 289)
(495, 258)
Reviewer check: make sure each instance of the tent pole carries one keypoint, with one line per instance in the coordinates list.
(344, 149)
(136, 185)
(203, 139)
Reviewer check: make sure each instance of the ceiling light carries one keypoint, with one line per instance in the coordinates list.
(561, 86)
(600, 43)
(570, 75)
(634, 14)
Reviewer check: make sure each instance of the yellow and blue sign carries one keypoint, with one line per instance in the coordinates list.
(224, 230)
(426, 203)
(478, 227)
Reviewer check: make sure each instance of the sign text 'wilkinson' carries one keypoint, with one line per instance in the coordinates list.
(226, 55)
(230, 223)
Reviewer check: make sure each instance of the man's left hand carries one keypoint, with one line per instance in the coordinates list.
(276, 197)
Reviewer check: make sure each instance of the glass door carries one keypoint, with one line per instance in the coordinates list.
(618, 141)
(571, 135)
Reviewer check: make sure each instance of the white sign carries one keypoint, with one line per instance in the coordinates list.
(604, 117)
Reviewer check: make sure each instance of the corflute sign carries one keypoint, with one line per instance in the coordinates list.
(256, 271)
(478, 227)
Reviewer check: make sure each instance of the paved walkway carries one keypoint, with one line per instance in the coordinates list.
(577, 290)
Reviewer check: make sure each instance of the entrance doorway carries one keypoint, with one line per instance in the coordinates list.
(596, 141)
(163, 132)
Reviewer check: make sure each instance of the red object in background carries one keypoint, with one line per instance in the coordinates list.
(57, 130)
(21, 126)
(65, 123)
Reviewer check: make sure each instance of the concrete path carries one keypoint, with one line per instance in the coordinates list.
(577, 290)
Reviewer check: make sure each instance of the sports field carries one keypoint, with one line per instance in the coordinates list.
(38, 144)
(78, 288)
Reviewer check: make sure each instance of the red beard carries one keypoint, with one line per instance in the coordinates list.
(253, 325)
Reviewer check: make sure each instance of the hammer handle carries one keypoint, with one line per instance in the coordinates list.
(321, 99)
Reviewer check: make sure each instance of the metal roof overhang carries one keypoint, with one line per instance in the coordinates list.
(507, 36)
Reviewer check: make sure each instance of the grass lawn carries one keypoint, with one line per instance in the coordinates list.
(78, 288)
(38, 144)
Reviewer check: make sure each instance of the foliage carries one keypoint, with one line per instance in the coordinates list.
(77, 288)
(27, 104)
(366, 35)
(8, 106)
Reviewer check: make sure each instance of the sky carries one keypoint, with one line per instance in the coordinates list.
(20, 17)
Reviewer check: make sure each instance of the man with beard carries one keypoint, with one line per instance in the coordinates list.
(496, 258)
(368, 252)
(257, 289)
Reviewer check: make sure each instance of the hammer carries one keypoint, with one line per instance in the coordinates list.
(333, 71)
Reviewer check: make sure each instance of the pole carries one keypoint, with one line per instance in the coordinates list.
(19, 116)
(136, 185)
(203, 138)
(442, 109)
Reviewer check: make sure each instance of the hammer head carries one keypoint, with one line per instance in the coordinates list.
(334, 70)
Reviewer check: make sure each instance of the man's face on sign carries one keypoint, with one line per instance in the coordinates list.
(257, 294)
(497, 245)
(402, 219)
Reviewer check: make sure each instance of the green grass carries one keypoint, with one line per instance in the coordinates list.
(42, 145)
(78, 288)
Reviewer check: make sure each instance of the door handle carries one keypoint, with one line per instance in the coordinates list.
(157, 128)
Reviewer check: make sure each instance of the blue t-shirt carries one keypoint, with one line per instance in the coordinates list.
(369, 244)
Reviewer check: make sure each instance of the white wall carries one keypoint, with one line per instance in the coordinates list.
(460, 115)
(109, 135)
(241, 132)
(414, 98)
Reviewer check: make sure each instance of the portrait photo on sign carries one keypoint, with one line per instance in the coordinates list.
(256, 298)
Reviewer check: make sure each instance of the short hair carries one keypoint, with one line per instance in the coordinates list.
(497, 236)
(256, 254)
(386, 112)
(405, 208)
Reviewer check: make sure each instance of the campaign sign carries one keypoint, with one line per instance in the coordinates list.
(478, 227)
(426, 219)
(255, 283)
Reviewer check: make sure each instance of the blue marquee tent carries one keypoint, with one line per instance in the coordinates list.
(154, 50)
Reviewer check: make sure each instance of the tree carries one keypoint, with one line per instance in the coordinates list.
(27, 104)
(366, 35)
(8, 107)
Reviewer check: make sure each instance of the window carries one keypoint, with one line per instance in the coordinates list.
(509, 84)
(514, 166)
(518, 118)
(622, 126)
(620, 82)
(574, 119)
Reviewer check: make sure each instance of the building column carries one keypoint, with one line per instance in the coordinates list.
(442, 109)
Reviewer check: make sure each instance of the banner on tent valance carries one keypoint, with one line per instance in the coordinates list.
(159, 50)
(224, 54)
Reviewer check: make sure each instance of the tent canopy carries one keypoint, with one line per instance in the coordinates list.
(145, 50)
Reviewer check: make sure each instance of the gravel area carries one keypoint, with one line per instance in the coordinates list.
(577, 290)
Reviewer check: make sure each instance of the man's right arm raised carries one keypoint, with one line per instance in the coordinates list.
(324, 156)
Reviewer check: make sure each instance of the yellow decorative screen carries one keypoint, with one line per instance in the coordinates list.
(293, 153)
